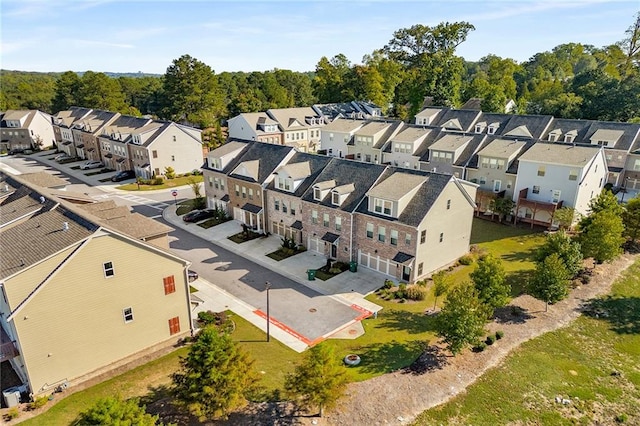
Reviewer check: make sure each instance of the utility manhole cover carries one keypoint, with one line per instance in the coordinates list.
(313, 310)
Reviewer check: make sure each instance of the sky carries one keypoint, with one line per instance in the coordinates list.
(146, 36)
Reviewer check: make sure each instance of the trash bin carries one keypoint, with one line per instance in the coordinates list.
(311, 274)
(353, 266)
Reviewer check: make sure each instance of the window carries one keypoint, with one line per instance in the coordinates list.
(338, 223)
(174, 138)
(573, 175)
(154, 153)
(237, 190)
(394, 237)
(276, 204)
(423, 236)
(244, 192)
(441, 236)
(541, 170)
(251, 193)
(381, 234)
(325, 219)
(369, 230)
(555, 196)
(568, 138)
(174, 325)
(173, 158)
(108, 269)
(491, 130)
(293, 209)
(407, 239)
(314, 216)
(553, 137)
(216, 163)
(420, 268)
(222, 184)
(169, 284)
(211, 180)
(317, 195)
(284, 206)
(536, 189)
(636, 165)
(382, 206)
(497, 184)
(448, 204)
(335, 198)
(128, 314)
(483, 180)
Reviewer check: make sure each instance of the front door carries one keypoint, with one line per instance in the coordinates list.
(334, 251)
(496, 185)
(406, 273)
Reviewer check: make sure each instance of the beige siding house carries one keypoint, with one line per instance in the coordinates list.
(90, 299)
(26, 129)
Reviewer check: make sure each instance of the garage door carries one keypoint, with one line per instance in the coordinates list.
(377, 263)
(238, 214)
(315, 245)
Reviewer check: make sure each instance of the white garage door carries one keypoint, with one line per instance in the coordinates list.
(377, 263)
(315, 245)
(238, 214)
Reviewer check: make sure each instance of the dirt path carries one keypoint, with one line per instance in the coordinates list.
(397, 398)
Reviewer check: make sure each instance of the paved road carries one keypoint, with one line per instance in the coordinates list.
(293, 307)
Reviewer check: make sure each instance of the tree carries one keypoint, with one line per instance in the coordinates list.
(191, 92)
(502, 207)
(565, 217)
(601, 236)
(631, 219)
(462, 319)
(440, 286)
(114, 411)
(319, 381)
(196, 187)
(215, 376)
(97, 90)
(567, 250)
(550, 281)
(66, 92)
(490, 281)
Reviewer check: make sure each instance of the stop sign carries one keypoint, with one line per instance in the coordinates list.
(174, 193)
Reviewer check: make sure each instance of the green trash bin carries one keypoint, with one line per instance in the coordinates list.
(353, 266)
(311, 274)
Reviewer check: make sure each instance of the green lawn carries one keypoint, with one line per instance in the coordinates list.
(594, 362)
(168, 183)
(391, 341)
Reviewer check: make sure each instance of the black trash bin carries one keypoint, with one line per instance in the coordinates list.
(311, 274)
(353, 266)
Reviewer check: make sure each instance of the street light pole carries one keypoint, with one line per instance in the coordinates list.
(268, 286)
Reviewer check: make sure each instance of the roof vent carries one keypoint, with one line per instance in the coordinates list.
(6, 188)
(42, 199)
(65, 226)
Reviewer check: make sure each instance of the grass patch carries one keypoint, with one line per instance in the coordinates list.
(593, 362)
(213, 222)
(283, 253)
(241, 237)
(185, 207)
(167, 183)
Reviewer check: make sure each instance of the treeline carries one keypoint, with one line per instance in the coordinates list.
(571, 81)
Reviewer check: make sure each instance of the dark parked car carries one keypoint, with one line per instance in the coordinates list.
(123, 175)
(198, 215)
(193, 275)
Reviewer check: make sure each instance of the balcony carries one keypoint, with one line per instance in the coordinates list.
(535, 212)
(8, 349)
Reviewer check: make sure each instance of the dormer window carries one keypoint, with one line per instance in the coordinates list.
(479, 128)
(553, 137)
(216, 163)
(335, 198)
(284, 184)
(568, 138)
(382, 206)
(491, 129)
(317, 194)
(403, 148)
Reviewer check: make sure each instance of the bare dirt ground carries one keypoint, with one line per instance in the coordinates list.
(397, 398)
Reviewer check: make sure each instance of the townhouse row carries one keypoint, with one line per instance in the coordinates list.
(403, 223)
(100, 290)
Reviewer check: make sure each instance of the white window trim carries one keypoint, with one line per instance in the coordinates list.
(105, 269)
(124, 315)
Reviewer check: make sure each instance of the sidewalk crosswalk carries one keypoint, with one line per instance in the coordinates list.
(158, 205)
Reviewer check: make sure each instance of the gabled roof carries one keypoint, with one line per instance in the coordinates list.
(397, 186)
(94, 121)
(296, 171)
(411, 134)
(292, 118)
(254, 119)
(536, 125)
(228, 148)
(458, 119)
(562, 126)
(520, 132)
(343, 125)
(315, 163)
(266, 158)
(450, 142)
(66, 118)
(473, 103)
(551, 153)
(497, 120)
(44, 179)
(630, 135)
(421, 202)
(343, 172)
(501, 148)
(16, 115)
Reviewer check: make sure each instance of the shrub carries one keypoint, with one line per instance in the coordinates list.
(387, 284)
(491, 339)
(39, 402)
(499, 334)
(157, 180)
(12, 413)
(621, 418)
(465, 260)
(169, 172)
(403, 300)
(334, 270)
(416, 293)
(479, 347)
(196, 172)
(422, 283)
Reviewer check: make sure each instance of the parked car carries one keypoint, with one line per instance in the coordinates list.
(198, 215)
(193, 275)
(61, 157)
(16, 151)
(92, 164)
(123, 175)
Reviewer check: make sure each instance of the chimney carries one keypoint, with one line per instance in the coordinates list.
(65, 226)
